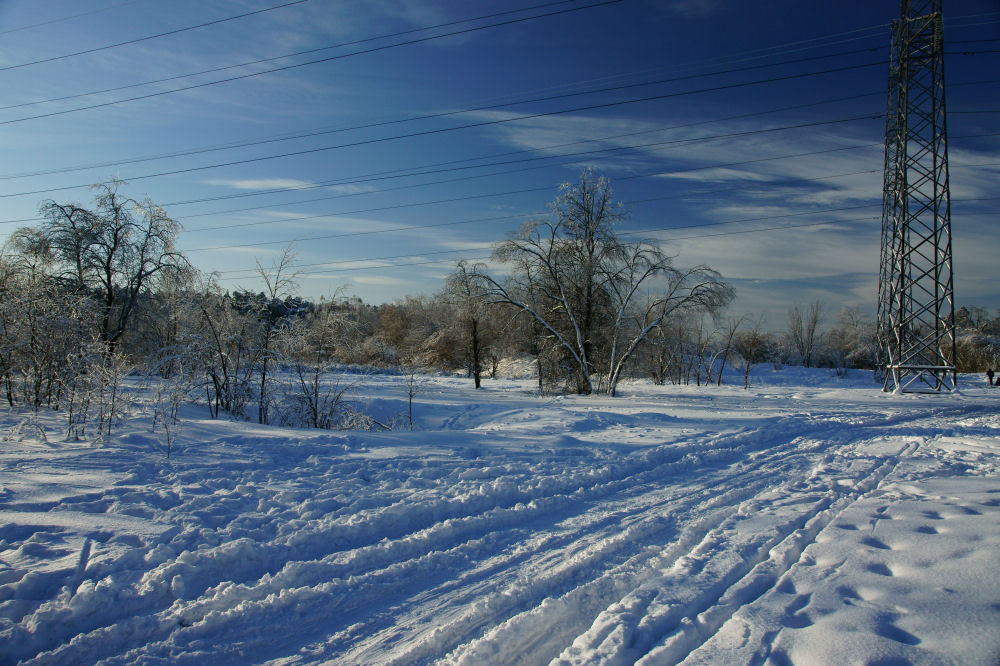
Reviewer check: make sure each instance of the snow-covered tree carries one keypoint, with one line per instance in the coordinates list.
(113, 253)
(580, 283)
(803, 332)
(465, 291)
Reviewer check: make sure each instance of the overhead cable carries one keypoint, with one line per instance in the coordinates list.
(149, 37)
(307, 63)
(485, 123)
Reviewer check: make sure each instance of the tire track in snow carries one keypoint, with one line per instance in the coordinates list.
(540, 607)
(532, 649)
(166, 622)
(423, 528)
(673, 623)
(514, 633)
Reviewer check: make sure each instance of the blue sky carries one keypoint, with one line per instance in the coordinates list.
(719, 122)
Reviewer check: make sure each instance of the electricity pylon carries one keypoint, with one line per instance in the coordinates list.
(916, 310)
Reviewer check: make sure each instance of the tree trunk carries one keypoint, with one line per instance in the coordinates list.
(477, 369)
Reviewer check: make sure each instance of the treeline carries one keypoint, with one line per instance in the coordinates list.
(93, 294)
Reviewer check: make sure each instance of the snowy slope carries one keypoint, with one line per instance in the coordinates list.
(811, 519)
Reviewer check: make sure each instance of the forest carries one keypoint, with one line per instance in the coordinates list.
(94, 295)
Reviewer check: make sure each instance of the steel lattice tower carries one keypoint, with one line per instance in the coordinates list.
(916, 311)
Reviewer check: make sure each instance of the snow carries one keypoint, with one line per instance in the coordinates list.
(812, 519)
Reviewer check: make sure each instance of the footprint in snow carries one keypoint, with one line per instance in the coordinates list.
(887, 629)
(797, 621)
(879, 568)
(847, 592)
(926, 529)
(875, 543)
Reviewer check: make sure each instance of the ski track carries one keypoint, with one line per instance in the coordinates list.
(586, 554)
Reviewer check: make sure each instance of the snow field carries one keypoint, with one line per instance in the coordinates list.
(812, 520)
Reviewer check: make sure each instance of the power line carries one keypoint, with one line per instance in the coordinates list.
(301, 135)
(778, 49)
(487, 123)
(399, 171)
(450, 165)
(370, 232)
(428, 170)
(439, 261)
(67, 18)
(579, 154)
(352, 261)
(782, 227)
(623, 178)
(521, 215)
(972, 41)
(520, 170)
(149, 37)
(623, 233)
(445, 114)
(412, 171)
(282, 57)
(363, 268)
(452, 223)
(620, 233)
(310, 62)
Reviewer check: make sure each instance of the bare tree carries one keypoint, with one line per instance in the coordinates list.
(279, 282)
(699, 288)
(803, 331)
(308, 343)
(579, 282)
(751, 345)
(465, 290)
(558, 277)
(113, 252)
(41, 325)
(227, 351)
(730, 330)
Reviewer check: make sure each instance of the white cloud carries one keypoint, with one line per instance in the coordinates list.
(378, 280)
(785, 254)
(264, 184)
(719, 174)
(248, 250)
(471, 246)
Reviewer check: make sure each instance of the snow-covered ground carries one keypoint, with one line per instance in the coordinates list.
(811, 519)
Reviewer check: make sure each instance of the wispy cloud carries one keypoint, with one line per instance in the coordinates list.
(377, 280)
(259, 250)
(291, 184)
(292, 219)
(263, 184)
(718, 175)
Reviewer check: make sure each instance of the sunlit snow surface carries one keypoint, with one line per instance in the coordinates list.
(809, 520)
